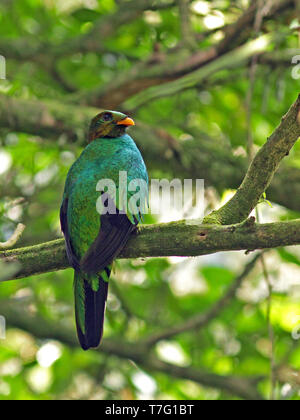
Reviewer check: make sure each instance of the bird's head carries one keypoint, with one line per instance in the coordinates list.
(109, 124)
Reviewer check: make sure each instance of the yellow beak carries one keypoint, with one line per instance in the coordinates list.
(127, 121)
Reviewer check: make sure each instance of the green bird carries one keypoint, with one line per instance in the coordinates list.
(97, 221)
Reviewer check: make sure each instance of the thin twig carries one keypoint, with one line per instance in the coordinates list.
(261, 171)
(185, 23)
(271, 333)
(14, 238)
(270, 329)
(253, 67)
(201, 321)
(243, 387)
(127, 310)
(262, 11)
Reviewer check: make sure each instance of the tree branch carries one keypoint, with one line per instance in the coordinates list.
(279, 57)
(11, 242)
(188, 38)
(261, 171)
(237, 385)
(150, 75)
(146, 74)
(53, 119)
(232, 59)
(31, 49)
(202, 320)
(184, 238)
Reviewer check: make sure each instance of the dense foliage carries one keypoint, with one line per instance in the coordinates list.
(79, 56)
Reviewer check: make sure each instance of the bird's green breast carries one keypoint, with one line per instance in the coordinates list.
(101, 159)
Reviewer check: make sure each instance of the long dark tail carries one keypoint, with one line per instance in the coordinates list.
(90, 301)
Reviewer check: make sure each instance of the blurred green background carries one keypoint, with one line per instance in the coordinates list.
(65, 60)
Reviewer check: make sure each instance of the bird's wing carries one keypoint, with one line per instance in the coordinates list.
(115, 230)
(99, 237)
(73, 260)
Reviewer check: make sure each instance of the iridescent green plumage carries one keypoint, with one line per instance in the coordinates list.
(93, 239)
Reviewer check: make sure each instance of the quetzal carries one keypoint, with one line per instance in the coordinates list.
(94, 239)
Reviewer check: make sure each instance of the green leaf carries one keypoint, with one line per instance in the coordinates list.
(86, 15)
(288, 256)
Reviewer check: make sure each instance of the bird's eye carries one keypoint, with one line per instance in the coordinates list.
(107, 116)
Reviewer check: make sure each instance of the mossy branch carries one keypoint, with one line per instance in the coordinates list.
(184, 238)
(19, 317)
(230, 60)
(53, 120)
(261, 171)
